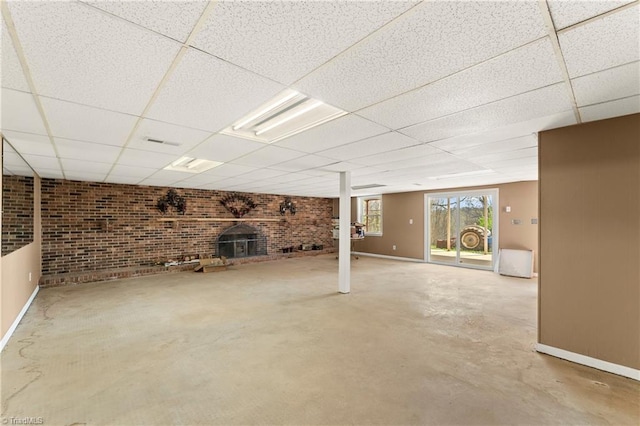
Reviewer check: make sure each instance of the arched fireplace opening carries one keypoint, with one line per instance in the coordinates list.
(241, 241)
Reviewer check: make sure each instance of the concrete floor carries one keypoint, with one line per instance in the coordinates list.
(273, 343)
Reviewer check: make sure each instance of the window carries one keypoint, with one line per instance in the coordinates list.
(370, 214)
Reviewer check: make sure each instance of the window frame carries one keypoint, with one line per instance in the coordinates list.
(362, 200)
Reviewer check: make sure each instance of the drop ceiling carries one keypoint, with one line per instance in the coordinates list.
(437, 94)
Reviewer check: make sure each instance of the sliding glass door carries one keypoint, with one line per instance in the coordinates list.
(462, 228)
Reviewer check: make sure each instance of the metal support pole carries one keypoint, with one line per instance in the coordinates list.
(344, 245)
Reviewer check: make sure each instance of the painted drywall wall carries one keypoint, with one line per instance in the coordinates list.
(399, 209)
(590, 239)
(16, 287)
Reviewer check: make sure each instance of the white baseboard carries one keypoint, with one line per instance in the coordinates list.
(9, 333)
(384, 256)
(609, 367)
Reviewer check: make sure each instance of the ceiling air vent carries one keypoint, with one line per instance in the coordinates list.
(371, 185)
(161, 142)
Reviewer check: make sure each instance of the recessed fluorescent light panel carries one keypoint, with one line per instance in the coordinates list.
(191, 165)
(285, 115)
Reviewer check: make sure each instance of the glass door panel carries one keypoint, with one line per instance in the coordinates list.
(461, 228)
(444, 223)
(476, 222)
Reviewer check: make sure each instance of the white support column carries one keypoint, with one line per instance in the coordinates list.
(344, 247)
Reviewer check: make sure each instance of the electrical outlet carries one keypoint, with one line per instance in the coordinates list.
(410, 221)
(29, 276)
(394, 246)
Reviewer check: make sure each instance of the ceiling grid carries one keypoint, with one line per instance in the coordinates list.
(436, 94)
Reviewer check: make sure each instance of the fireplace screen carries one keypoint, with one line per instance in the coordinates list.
(241, 241)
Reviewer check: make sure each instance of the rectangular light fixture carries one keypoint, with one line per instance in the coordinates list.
(278, 101)
(283, 116)
(290, 115)
(192, 165)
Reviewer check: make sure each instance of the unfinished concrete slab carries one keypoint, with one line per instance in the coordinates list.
(274, 343)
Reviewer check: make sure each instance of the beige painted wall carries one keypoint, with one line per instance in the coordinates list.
(398, 209)
(15, 286)
(589, 297)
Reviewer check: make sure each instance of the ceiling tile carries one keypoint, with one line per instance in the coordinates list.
(42, 162)
(229, 170)
(431, 165)
(530, 67)
(163, 181)
(185, 137)
(28, 143)
(135, 157)
(17, 170)
(12, 163)
(268, 156)
(78, 150)
(173, 19)
(493, 158)
(433, 40)
(630, 105)
(529, 161)
(392, 156)
(304, 163)
(70, 165)
(19, 113)
(343, 166)
(511, 131)
(50, 173)
(478, 150)
(346, 129)
(207, 93)
(266, 174)
(128, 180)
(538, 103)
(79, 54)
(201, 179)
(286, 40)
(225, 148)
(567, 13)
(85, 176)
(166, 177)
(131, 171)
(374, 145)
(614, 83)
(608, 42)
(12, 75)
(82, 123)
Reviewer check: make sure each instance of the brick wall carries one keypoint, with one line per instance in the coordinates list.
(17, 212)
(99, 226)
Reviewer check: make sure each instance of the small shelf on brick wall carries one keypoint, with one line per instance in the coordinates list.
(218, 219)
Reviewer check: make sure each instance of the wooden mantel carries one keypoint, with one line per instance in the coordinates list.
(217, 219)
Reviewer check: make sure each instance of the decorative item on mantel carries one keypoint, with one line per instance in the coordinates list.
(287, 204)
(237, 204)
(172, 199)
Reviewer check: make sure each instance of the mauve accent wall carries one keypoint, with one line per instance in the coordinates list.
(99, 226)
